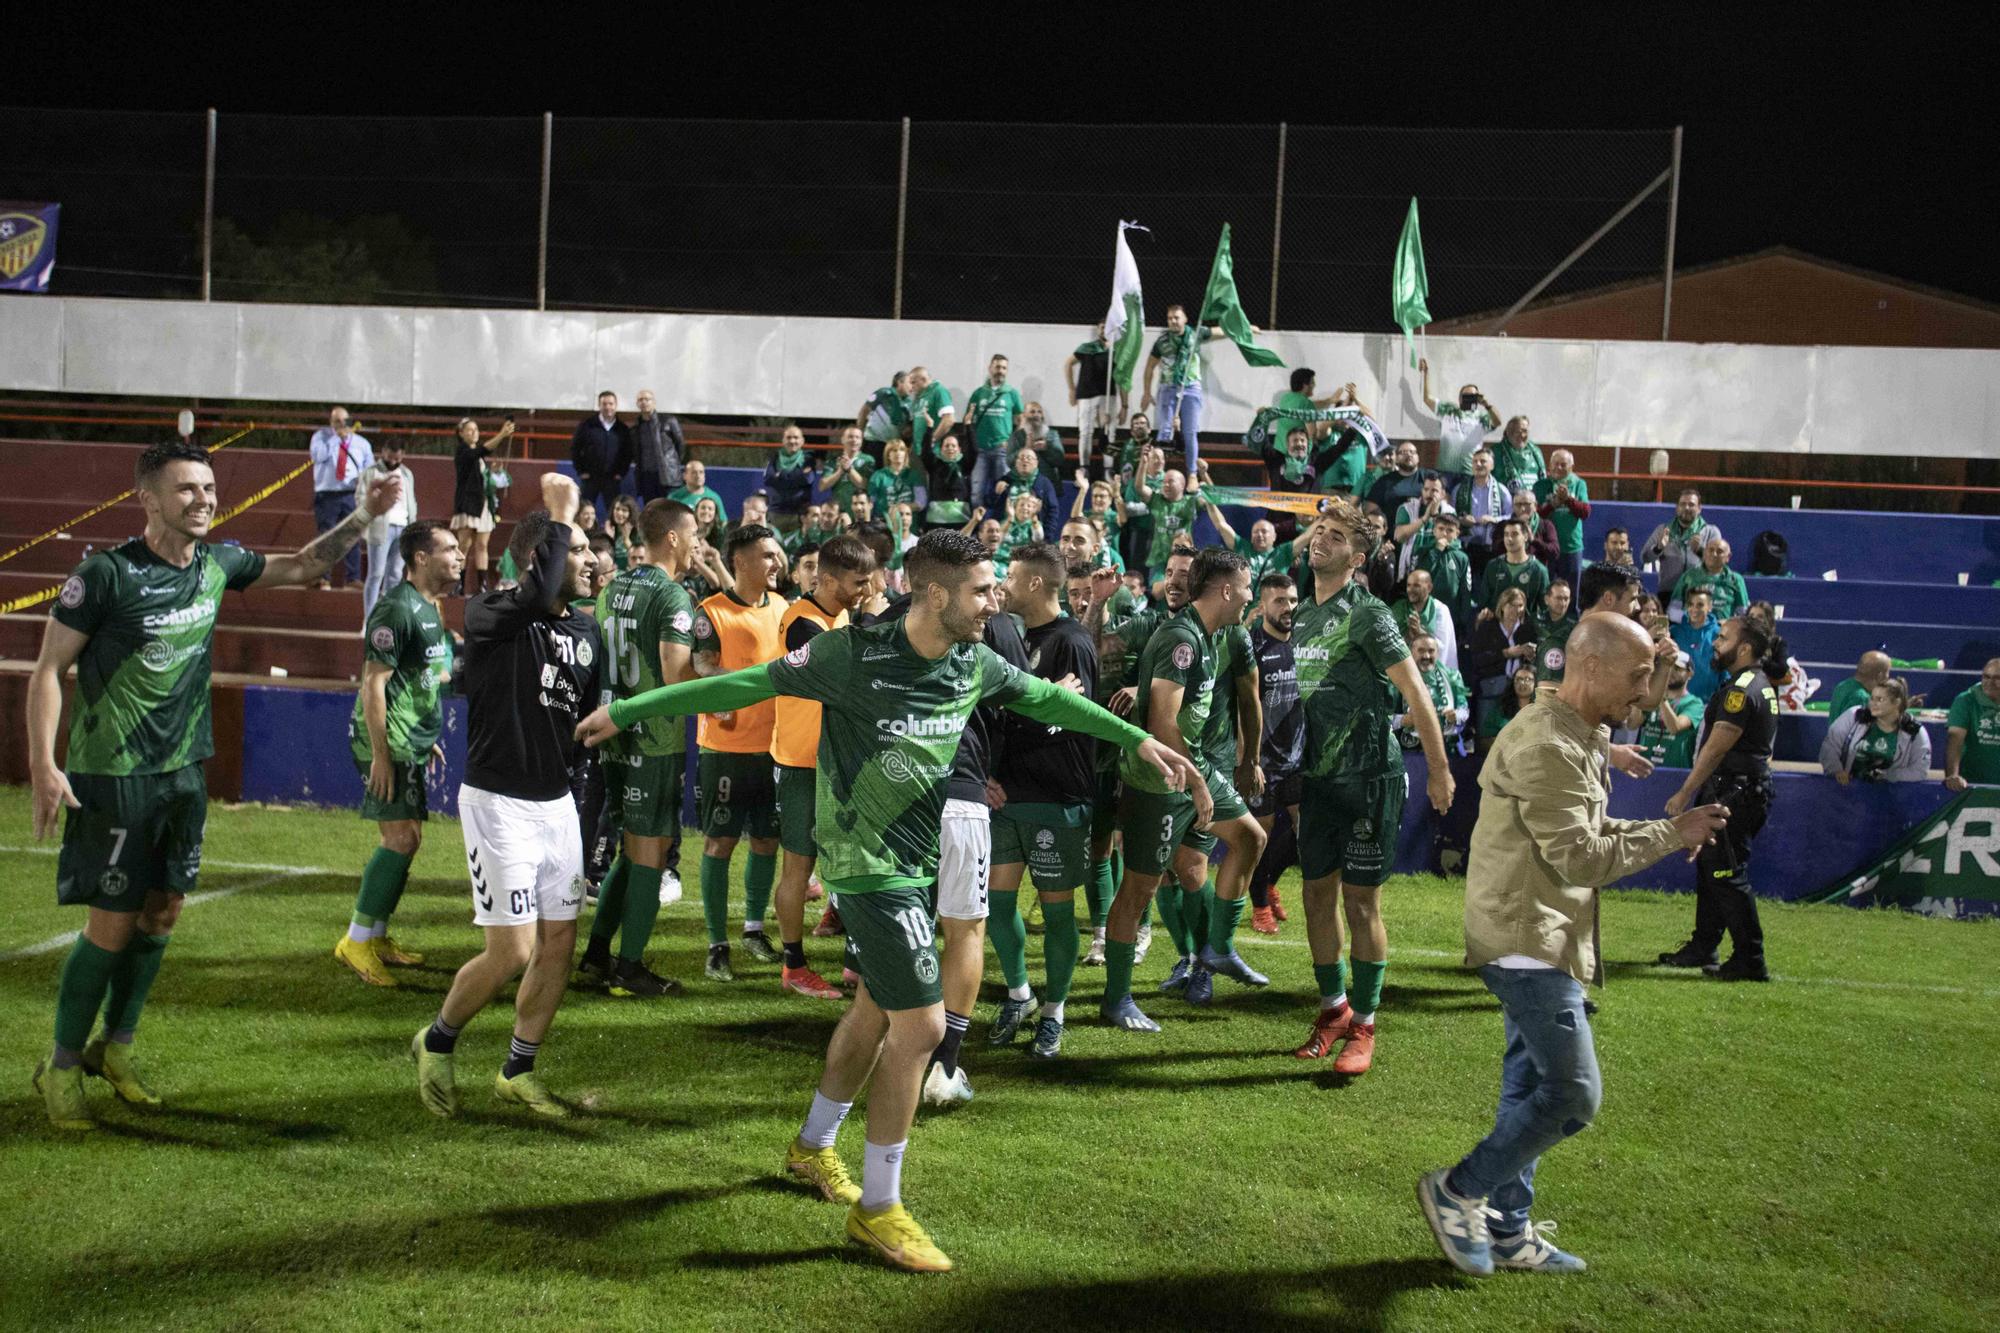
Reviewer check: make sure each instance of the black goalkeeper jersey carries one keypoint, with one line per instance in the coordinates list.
(532, 672)
(1042, 764)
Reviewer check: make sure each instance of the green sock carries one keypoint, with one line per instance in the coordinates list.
(611, 901)
(1060, 947)
(1367, 997)
(1009, 935)
(1194, 910)
(382, 881)
(1118, 957)
(1223, 914)
(1099, 889)
(757, 881)
(642, 908)
(131, 979)
(715, 897)
(86, 976)
(1331, 982)
(1117, 878)
(1168, 900)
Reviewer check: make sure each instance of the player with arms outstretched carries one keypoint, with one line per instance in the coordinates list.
(883, 758)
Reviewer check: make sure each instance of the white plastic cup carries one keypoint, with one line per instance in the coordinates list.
(1831, 576)
(1795, 501)
(1964, 579)
(1780, 610)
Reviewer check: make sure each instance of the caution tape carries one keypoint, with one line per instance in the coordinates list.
(95, 510)
(37, 598)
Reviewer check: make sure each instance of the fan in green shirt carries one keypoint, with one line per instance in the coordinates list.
(886, 414)
(694, 489)
(1171, 510)
(1731, 595)
(1513, 568)
(1853, 692)
(931, 412)
(846, 474)
(993, 409)
(1568, 498)
(1972, 732)
(1517, 460)
(1266, 554)
(1682, 709)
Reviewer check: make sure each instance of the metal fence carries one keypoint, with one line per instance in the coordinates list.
(925, 220)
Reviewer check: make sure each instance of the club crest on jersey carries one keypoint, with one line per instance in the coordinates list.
(1184, 655)
(72, 592)
(703, 629)
(1044, 839)
(797, 657)
(383, 638)
(682, 622)
(927, 966)
(1553, 659)
(112, 882)
(584, 652)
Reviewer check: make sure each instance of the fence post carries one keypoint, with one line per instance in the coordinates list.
(902, 217)
(208, 209)
(1277, 227)
(1673, 217)
(542, 235)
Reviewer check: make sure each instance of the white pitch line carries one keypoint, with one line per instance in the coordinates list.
(67, 938)
(207, 862)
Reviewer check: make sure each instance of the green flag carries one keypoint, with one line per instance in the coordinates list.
(1222, 306)
(1410, 287)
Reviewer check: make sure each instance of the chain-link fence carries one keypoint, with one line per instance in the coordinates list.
(926, 220)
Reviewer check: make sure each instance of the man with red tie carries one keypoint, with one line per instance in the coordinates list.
(339, 454)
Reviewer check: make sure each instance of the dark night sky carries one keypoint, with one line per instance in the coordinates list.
(1859, 144)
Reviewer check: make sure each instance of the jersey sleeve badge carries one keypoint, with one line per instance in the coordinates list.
(1734, 701)
(1183, 655)
(797, 657)
(383, 638)
(72, 592)
(682, 622)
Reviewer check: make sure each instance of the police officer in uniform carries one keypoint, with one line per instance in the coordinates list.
(1732, 768)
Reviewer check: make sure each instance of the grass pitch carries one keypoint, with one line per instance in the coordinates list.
(1811, 1154)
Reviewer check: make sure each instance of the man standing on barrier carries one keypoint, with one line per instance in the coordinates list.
(1732, 768)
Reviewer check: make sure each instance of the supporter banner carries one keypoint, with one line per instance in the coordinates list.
(1948, 865)
(1289, 502)
(27, 246)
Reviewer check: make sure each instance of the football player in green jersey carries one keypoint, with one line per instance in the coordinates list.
(896, 697)
(394, 730)
(138, 622)
(647, 619)
(1349, 650)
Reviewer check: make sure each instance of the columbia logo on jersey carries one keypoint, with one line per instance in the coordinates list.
(197, 614)
(920, 726)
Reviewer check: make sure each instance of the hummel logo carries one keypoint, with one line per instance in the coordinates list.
(485, 901)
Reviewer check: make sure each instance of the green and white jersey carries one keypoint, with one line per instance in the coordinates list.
(888, 414)
(1233, 661)
(142, 681)
(639, 611)
(1979, 717)
(1729, 595)
(1569, 528)
(1122, 644)
(1873, 753)
(1518, 467)
(407, 634)
(1277, 560)
(1447, 691)
(1459, 433)
(1180, 355)
(1673, 751)
(1181, 652)
(1170, 518)
(1344, 647)
(854, 478)
(991, 412)
(888, 734)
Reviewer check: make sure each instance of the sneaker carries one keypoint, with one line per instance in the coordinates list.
(436, 1082)
(1458, 1223)
(1124, 1013)
(1095, 956)
(804, 981)
(394, 954)
(830, 924)
(1358, 1052)
(814, 889)
(1142, 943)
(670, 888)
(1048, 1039)
(759, 946)
(895, 1235)
(527, 1089)
(1328, 1028)
(1177, 976)
(1007, 1023)
(947, 1090)
(631, 979)
(1739, 968)
(367, 964)
(822, 1169)
(718, 968)
(1688, 955)
(62, 1096)
(1277, 905)
(1231, 965)
(1263, 921)
(593, 970)
(1531, 1251)
(113, 1062)
(1200, 988)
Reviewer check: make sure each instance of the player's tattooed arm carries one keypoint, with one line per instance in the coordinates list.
(322, 553)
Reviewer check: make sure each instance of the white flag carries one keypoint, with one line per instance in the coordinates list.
(1125, 321)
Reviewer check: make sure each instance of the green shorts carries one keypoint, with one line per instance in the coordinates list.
(1229, 804)
(408, 797)
(1349, 828)
(734, 796)
(132, 836)
(1154, 824)
(1104, 814)
(890, 943)
(1053, 841)
(646, 792)
(798, 804)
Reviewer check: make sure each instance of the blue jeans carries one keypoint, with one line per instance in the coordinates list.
(329, 509)
(1185, 399)
(1549, 1089)
(988, 467)
(385, 568)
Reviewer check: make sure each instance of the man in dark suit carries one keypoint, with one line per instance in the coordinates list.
(601, 450)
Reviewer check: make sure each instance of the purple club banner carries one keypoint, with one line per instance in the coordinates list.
(27, 246)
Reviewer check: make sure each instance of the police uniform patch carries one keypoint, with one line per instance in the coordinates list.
(72, 592)
(1734, 701)
(1184, 656)
(383, 638)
